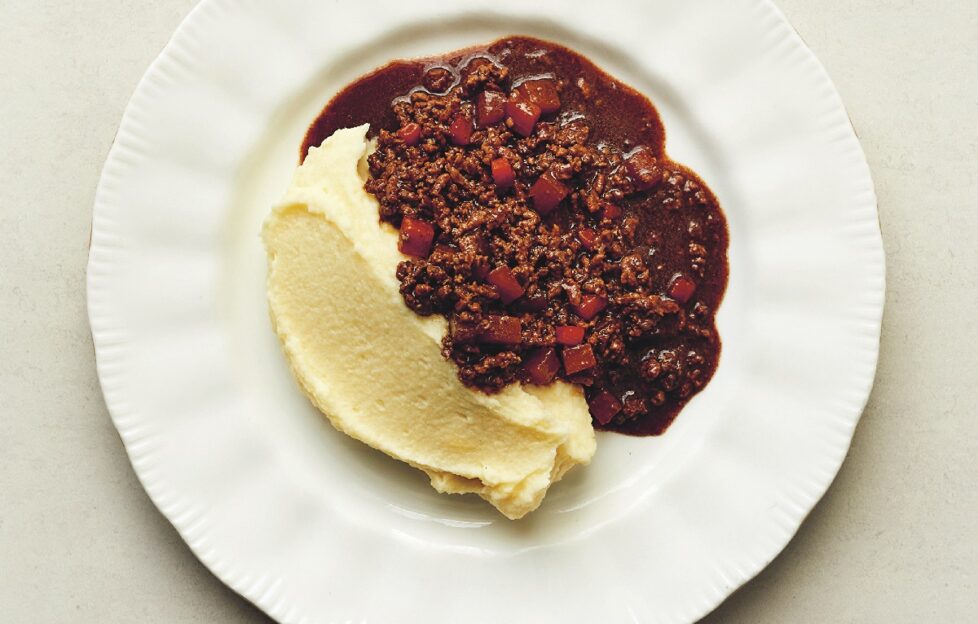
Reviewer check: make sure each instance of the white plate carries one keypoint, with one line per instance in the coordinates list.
(313, 527)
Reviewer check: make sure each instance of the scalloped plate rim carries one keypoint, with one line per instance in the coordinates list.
(260, 591)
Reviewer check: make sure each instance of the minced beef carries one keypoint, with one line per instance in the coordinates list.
(545, 222)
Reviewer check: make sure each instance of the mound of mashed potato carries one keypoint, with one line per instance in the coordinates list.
(375, 369)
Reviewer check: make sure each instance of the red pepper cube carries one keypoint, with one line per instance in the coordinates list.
(682, 288)
(523, 113)
(643, 169)
(410, 133)
(502, 330)
(579, 358)
(415, 237)
(588, 238)
(604, 406)
(461, 130)
(543, 93)
(611, 212)
(463, 332)
(590, 306)
(506, 285)
(569, 335)
(502, 174)
(542, 366)
(490, 108)
(546, 193)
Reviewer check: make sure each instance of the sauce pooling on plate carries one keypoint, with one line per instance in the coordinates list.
(543, 219)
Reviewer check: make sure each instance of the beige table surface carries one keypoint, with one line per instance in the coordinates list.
(894, 540)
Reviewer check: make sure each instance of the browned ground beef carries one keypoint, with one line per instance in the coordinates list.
(630, 263)
(480, 227)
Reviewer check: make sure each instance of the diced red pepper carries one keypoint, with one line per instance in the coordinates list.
(546, 193)
(415, 237)
(588, 237)
(461, 130)
(682, 288)
(463, 331)
(579, 358)
(590, 306)
(543, 93)
(507, 286)
(502, 174)
(410, 133)
(569, 335)
(643, 169)
(610, 212)
(502, 330)
(542, 366)
(523, 113)
(490, 108)
(604, 406)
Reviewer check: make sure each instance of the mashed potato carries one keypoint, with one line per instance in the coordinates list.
(374, 368)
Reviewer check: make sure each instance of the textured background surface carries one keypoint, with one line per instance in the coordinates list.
(894, 540)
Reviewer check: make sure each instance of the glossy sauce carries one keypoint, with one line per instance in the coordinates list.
(621, 119)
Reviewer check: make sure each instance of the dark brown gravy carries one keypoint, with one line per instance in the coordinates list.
(620, 119)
